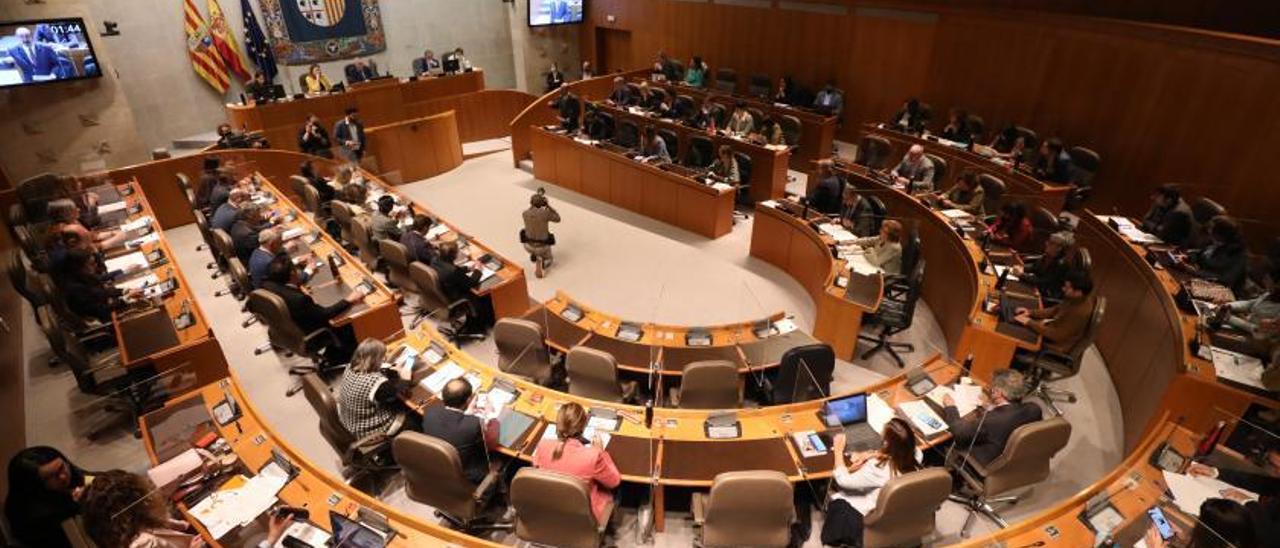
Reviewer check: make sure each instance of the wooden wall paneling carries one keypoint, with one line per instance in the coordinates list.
(569, 169)
(595, 168)
(544, 165)
(625, 188)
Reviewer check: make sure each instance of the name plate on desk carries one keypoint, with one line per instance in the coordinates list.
(723, 426)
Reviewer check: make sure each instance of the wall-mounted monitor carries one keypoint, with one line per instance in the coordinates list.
(555, 12)
(46, 50)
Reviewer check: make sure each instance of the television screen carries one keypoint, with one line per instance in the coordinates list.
(554, 12)
(47, 50)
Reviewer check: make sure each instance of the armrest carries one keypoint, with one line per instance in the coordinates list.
(699, 507)
(486, 484)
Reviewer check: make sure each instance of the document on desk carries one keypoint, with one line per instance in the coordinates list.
(1189, 492)
(137, 224)
(1237, 367)
(226, 509)
(722, 187)
(956, 214)
(966, 396)
(923, 417)
(837, 233)
(858, 263)
(437, 230)
(488, 405)
(143, 240)
(111, 207)
(138, 282)
(1000, 271)
(784, 326)
(307, 533)
(168, 472)
(292, 233)
(879, 413)
(128, 262)
(447, 371)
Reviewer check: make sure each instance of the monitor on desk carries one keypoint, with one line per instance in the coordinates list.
(452, 65)
(848, 410)
(348, 533)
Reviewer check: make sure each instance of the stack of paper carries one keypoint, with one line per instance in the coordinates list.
(1189, 492)
(784, 326)
(859, 264)
(923, 418)
(966, 396)
(437, 230)
(128, 262)
(1237, 367)
(143, 240)
(227, 509)
(487, 405)
(448, 371)
(137, 224)
(956, 214)
(879, 413)
(111, 207)
(721, 187)
(175, 469)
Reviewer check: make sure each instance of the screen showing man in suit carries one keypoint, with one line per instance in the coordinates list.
(45, 51)
(554, 12)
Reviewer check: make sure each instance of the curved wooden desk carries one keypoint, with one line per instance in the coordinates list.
(817, 131)
(666, 346)
(416, 149)
(666, 193)
(1019, 184)
(383, 102)
(537, 114)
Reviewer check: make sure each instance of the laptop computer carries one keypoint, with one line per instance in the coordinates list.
(850, 415)
(348, 533)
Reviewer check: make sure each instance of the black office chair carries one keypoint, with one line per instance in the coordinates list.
(634, 92)
(879, 212)
(302, 83)
(873, 152)
(993, 192)
(726, 80)
(897, 311)
(1084, 165)
(804, 374)
(719, 113)
(1046, 366)
(628, 135)
(35, 193)
(761, 86)
(790, 129)
(939, 170)
(757, 118)
(1043, 224)
(977, 128)
(701, 152)
(606, 124)
(1029, 138)
(685, 105)
(672, 140)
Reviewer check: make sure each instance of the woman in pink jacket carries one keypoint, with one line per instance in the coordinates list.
(570, 454)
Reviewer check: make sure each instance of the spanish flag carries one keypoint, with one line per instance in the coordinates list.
(204, 58)
(225, 42)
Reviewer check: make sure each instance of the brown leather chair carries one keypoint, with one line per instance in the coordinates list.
(1048, 366)
(433, 475)
(100, 374)
(433, 302)
(1043, 224)
(522, 349)
(342, 213)
(21, 279)
(710, 384)
(223, 249)
(284, 334)
(746, 508)
(939, 170)
(873, 152)
(594, 374)
(296, 184)
(791, 129)
(906, 508)
(554, 509)
(726, 80)
(1024, 463)
(360, 458)
(397, 259)
(993, 190)
(184, 184)
(362, 237)
(202, 224)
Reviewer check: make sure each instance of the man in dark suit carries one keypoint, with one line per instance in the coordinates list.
(621, 94)
(283, 279)
(828, 195)
(360, 72)
(33, 59)
(464, 432)
(457, 283)
(349, 132)
(985, 433)
(313, 139)
(415, 240)
(569, 108)
(244, 232)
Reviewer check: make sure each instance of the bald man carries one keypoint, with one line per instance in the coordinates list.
(35, 61)
(915, 171)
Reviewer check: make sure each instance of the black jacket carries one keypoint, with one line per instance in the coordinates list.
(304, 310)
(989, 441)
(245, 238)
(569, 108)
(316, 145)
(90, 297)
(827, 195)
(465, 433)
(456, 282)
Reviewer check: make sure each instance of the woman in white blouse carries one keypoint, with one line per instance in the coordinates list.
(858, 483)
(884, 251)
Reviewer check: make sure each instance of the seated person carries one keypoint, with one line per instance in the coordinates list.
(472, 438)
(1225, 260)
(316, 80)
(1049, 271)
(858, 484)
(1265, 512)
(269, 247)
(229, 138)
(667, 67)
(359, 71)
(1012, 228)
(385, 222)
(258, 89)
(458, 282)
(884, 251)
(1221, 523)
(1170, 217)
(569, 108)
(829, 100)
(695, 75)
(1257, 317)
(1063, 324)
(427, 64)
(769, 133)
(646, 99)
(985, 432)
(786, 92)
(1010, 145)
(594, 123)
(967, 195)
(741, 123)
(368, 395)
(250, 220)
(957, 128)
(44, 490)
(283, 280)
(123, 509)
(313, 138)
(86, 288)
(621, 94)
(653, 146)
(59, 246)
(826, 196)
(915, 171)
(910, 118)
(228, 212)
(725, 168)
(704, 118)
(64, 215)
(554, 78)
(1053, 164)
(415, 240)
(571, 454)
(588, 72)
(214, 187)
(326, 191)
(856, 214)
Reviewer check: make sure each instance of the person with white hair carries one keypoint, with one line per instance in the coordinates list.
(225, 216)
(984, 433)
(915, 171)
(260, 261)
(1049, 271)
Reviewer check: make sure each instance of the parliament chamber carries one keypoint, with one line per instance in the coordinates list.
(646, 273)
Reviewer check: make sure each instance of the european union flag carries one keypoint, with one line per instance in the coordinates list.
(255, 43)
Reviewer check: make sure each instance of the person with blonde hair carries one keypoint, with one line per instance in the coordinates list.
(570, 453)
(884, 251)
(368, 396)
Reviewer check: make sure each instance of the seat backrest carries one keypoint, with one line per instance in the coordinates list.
(634, 89)
(804, 373)
(912, 249)
(1203, 210)
(593, 374)
(673, 142)
(1026, 456)
(720, 113)
(939, 169)
(790, 129)
(36, 192)
(659, 95)
(1090, 333)
(879, 212)
(271, 310)
(685, 104)
(361, 235)
(906, 508)
(701, 151)
(977, 127)
(16, 216)
(711, 384)
(1084, 165)
(873, 152)
(302, 83)
(433, 474)
(296, 184)
(223, 247)
(915, 287)
(761, 85)
(757, 118)
(202, 224)
(341, 212)
(427, 281)
(1043, 224)
(1029, 138)
(749, 508)
(606, 120)
(397, 257)
(184, 183)
(744, 166)
(553, 509)
(628, 134)
(326, 406)
(726, 80)
(1082, 260)
(244, 284)
(20, 278)
(993, 191)
(27, 242)
(522, 348)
